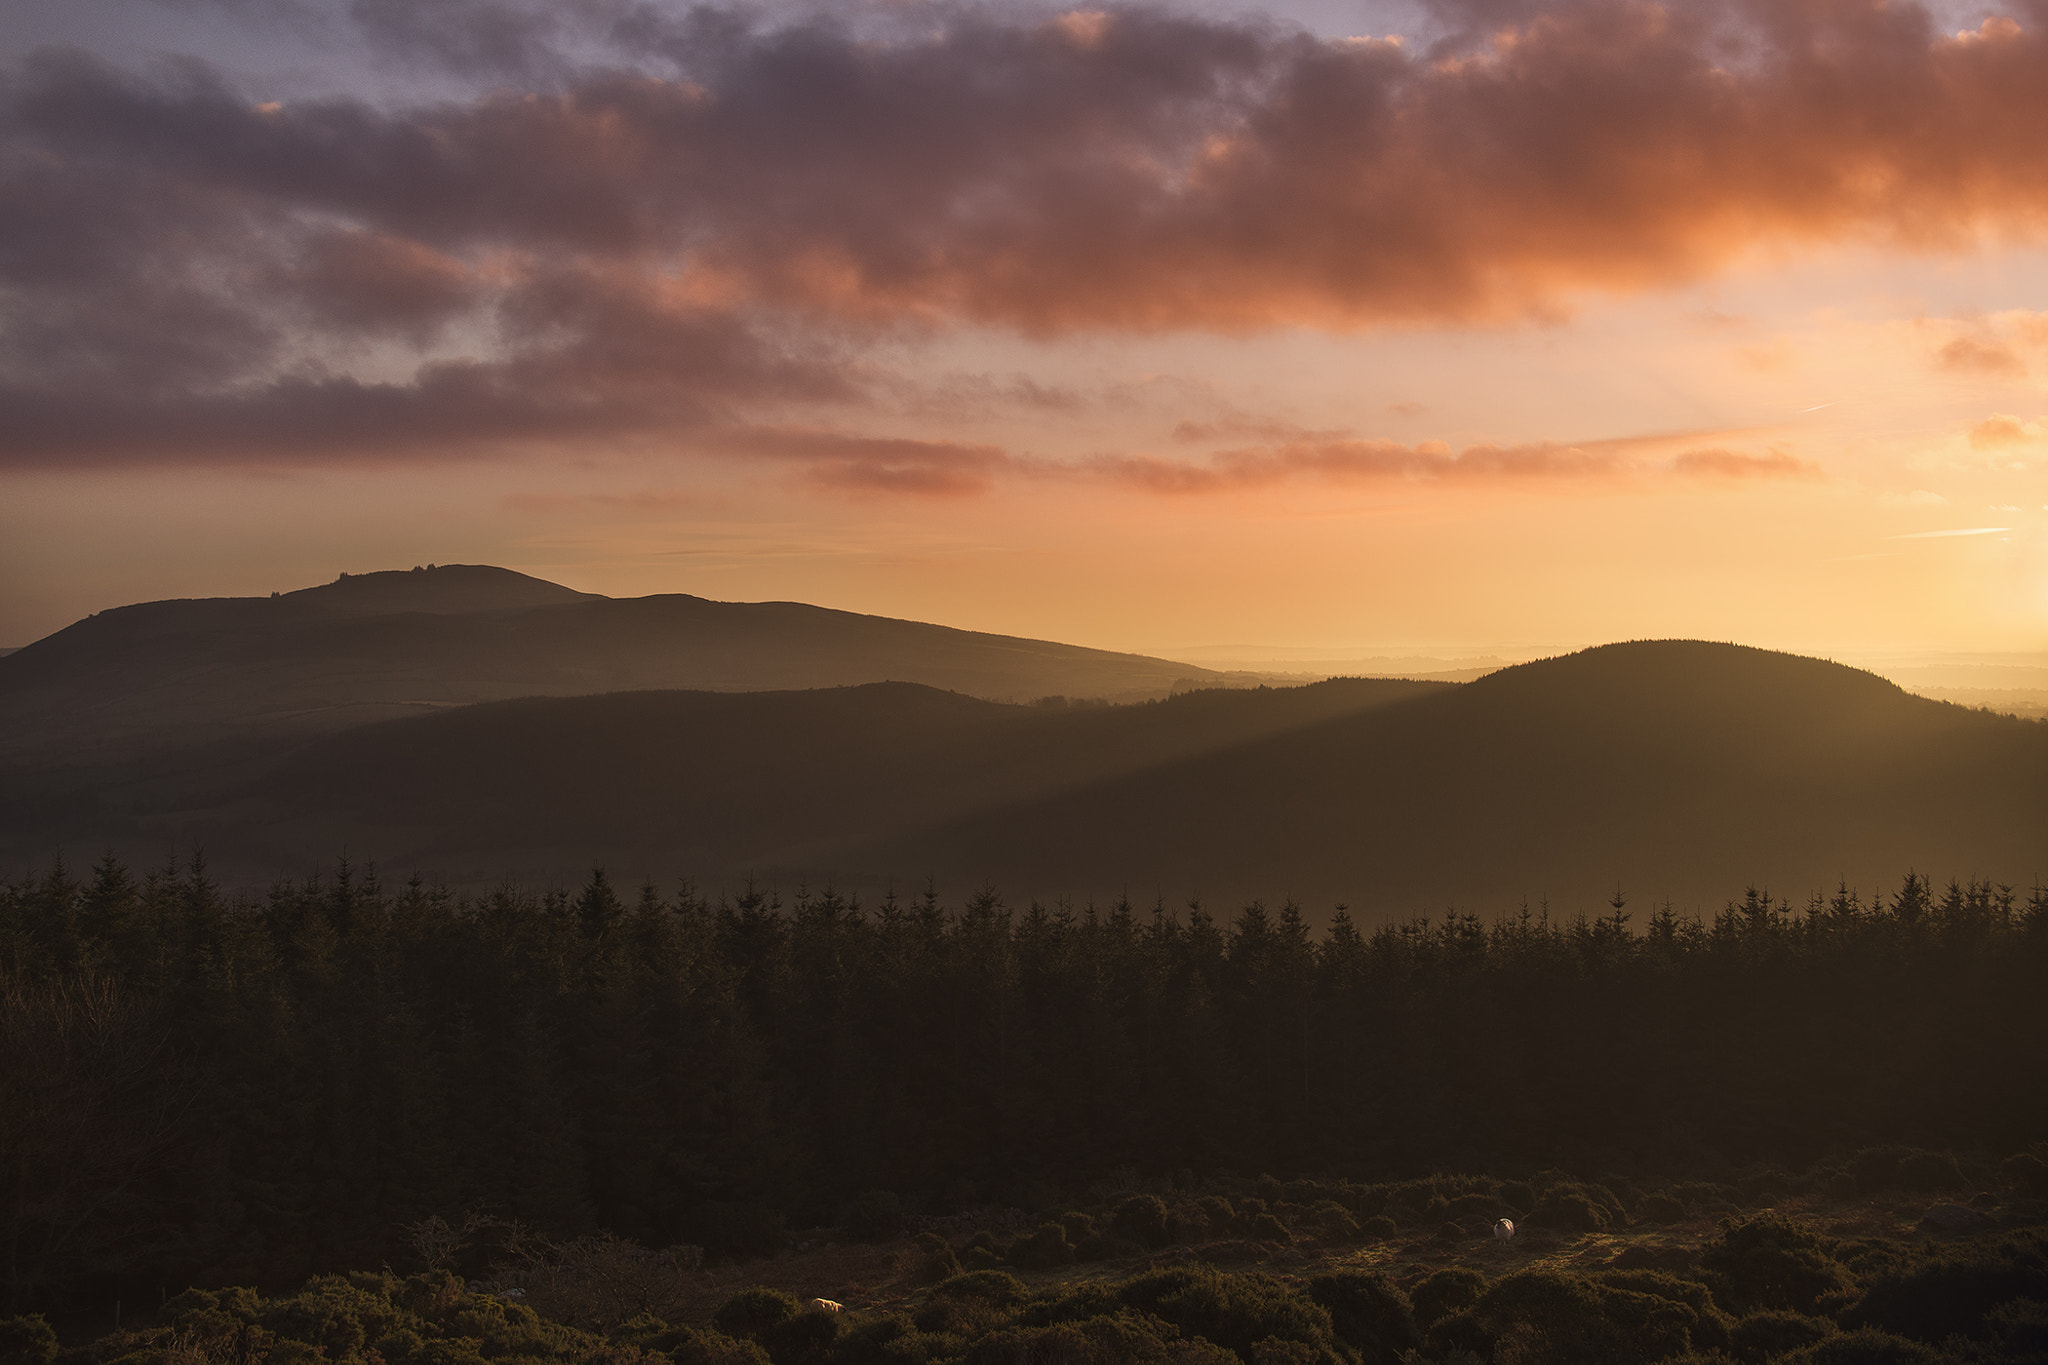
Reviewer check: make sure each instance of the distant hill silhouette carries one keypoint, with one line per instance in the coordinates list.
(724, 783)
(1669, 769)
(375, 646)
(1674, 769)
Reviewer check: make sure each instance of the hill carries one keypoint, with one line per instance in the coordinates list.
(713, 784)
(1675, 769)
(377, 646)
(1666, 769)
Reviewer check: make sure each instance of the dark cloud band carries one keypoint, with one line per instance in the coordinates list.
(699, 240)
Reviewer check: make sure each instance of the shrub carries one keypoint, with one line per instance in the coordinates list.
(1873, 1169)
(1518, 1195)
(1333, 1222)
(1368, 1313)
(1045, 1249)
(1770, 1261)
(1545, 1317)
(1927, 1171)
(1236, 1311)
(1457, 1340)
(1569, 1211)
(875, 1216)
(1080, 1227)
(1101, 1248)
(1267, 1228)
(958, 1318)
(27, 1341)
(1377, 1228)
(997, 1287)
(804, 1337)
(1710, 1327)
(751, 1312)
(868, 1342)
(1446, 1292)
(1142, 1219)
(716, 1348)
(939, 1262)
(2027, 1171)
(2021, 1328)
(1760, 1336)
(1215, 1208)
(1467, 1206)
(1704, 1196)
(1105, 1339)
(1866, 1346)
(1764, 1185)
(1660, 1208)
(1952, 1292)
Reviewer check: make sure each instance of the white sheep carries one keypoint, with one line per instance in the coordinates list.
(826, 1306)
(1503, 1230)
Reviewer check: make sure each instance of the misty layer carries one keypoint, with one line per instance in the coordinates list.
(694, 241)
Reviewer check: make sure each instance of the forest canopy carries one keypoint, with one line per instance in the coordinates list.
(207, 1088)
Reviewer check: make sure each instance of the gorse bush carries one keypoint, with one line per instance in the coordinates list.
(28, 1340)
(1953, 1290)
(1142, 1219)
(1973, 1301)
(1445, 1292)
(1368, 1313)
(752, 1312)
(1762, 1336)
(1771, 1262)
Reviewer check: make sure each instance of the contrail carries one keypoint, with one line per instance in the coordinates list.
(1817, 407)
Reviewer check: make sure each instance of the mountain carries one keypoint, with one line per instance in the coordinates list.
(371, 647)
(1671, 769)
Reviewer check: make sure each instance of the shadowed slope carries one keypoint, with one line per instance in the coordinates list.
(714, 783)
(1669, 768)
(375, 646)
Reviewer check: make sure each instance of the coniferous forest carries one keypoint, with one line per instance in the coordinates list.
(203, 1089)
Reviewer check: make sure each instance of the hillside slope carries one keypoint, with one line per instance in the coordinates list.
(1666, 769)
(376, 646)
(715, 784)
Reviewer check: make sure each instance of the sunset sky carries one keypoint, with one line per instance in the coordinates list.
(1352, 327)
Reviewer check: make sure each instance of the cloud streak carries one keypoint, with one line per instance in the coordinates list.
(699, 239)
(1346, 459)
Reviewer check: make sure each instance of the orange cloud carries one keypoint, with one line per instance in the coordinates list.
(877, 464)
(1354, 460)
(1729, 464)
(701, 234)
(1972, 355)
(2000, 430)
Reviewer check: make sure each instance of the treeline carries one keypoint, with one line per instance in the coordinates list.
(198, 1088)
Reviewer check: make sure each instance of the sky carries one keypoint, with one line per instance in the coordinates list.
(1451, 325)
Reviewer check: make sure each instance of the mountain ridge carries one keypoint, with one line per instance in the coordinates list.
(329, 658)
(1679, 770)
